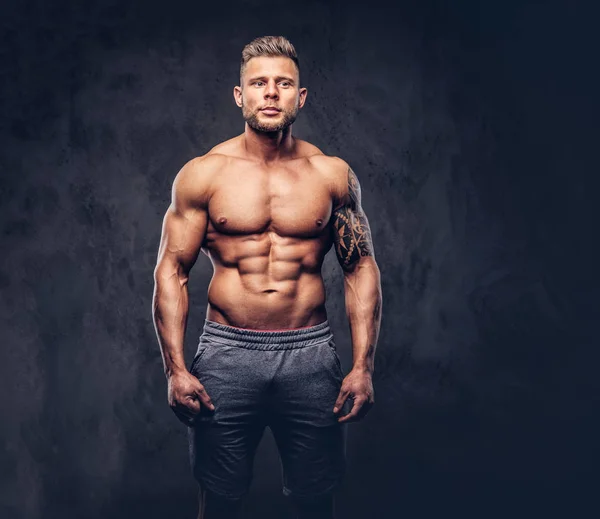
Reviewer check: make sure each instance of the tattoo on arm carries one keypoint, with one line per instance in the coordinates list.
(351, 232)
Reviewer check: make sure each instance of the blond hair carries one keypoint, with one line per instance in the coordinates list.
(268, 46)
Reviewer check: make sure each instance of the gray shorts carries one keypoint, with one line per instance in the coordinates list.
(287, 380)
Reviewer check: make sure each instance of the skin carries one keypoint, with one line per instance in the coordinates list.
(266, 207)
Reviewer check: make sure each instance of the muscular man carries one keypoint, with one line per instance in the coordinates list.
(266, 207)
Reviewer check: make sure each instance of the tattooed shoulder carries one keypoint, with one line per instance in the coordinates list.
(353, 189)
(351, 232)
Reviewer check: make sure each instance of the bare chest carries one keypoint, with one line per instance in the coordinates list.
(288, 203)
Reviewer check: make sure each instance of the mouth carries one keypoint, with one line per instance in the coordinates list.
(270, 110)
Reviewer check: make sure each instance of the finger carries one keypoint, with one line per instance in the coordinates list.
(205, 398)
(364, 410)
(188, 405)
(352, 415)
(192, 404)
(340, 400)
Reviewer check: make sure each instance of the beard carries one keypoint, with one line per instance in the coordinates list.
(289, 116)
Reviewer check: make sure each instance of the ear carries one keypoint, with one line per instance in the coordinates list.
(237, 95)
(302, 93)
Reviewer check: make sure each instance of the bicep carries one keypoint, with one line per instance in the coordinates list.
(350, 228)
(184, 227)
(182, 236)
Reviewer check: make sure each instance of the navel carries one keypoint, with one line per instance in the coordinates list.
(319, 222)
(222, 220)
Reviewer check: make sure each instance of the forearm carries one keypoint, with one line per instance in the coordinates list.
(363, 307)
(170, 312)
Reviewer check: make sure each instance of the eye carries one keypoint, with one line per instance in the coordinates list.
(285, 83)
(258, 83)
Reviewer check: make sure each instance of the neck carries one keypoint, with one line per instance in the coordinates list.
(268, 146)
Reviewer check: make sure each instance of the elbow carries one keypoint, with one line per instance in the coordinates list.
(363, 284)
(365, 268)
(162, 271)
(166, 271)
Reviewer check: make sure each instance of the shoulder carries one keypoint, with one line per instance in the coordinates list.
(306, 149)
(193, 183)
(343, 180)
(333, 166)
(201, 170)
(327, 165)
(229, 148)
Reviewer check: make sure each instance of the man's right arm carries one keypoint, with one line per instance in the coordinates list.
(183, 231)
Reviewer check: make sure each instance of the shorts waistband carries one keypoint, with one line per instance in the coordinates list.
(267, 340)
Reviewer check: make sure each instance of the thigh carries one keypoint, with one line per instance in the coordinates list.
(311, 441)
(306, 385)
(222, 456)
(235, 381)
(313, 458)
(223, 442)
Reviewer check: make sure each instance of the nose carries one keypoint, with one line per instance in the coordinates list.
(271, 90)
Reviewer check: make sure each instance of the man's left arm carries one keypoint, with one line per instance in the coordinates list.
(362, 286)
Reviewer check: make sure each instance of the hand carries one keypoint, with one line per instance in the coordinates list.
(358, 386)
(186, 396)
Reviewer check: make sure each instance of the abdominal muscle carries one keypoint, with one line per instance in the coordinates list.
(294, 304)
(262, 292)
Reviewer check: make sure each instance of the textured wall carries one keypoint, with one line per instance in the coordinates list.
(471, 130)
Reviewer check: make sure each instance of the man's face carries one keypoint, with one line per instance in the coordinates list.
(270, 96)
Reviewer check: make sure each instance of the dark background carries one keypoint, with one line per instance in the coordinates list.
(473, 130)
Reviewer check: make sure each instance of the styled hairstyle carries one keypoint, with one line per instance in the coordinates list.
(268, 46)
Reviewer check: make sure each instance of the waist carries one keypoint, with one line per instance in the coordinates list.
(267, 339)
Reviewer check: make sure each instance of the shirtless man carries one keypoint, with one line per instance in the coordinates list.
(266, 207)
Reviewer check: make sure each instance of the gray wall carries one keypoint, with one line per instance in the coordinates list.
(471, 128)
